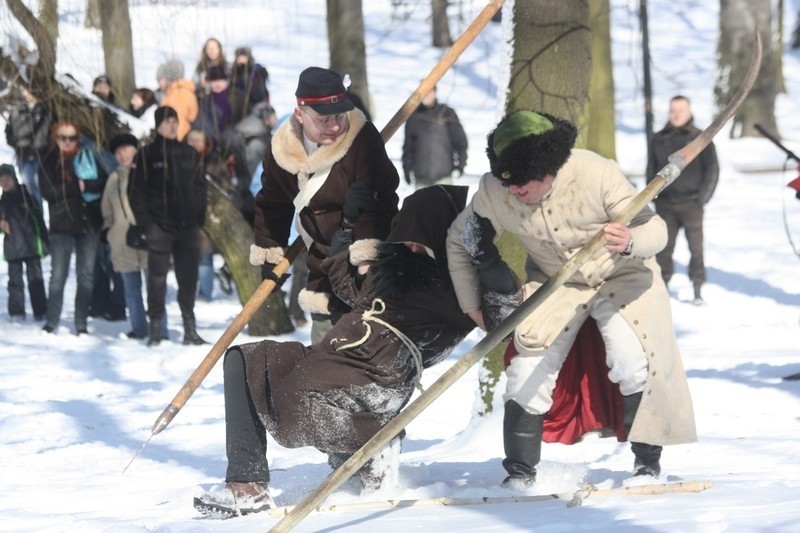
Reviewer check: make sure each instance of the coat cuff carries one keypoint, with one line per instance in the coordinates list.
(314, 302)
(261, 256)
(364, 250)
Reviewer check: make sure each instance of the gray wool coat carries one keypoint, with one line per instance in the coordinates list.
(588, 192)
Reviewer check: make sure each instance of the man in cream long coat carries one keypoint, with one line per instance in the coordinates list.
(554, 199)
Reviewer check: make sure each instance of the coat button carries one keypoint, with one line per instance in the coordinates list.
(611, 295)
(555, 229)
(644, 335)
(636, 322)
(566, 328)
(585, 306)
(549, 211)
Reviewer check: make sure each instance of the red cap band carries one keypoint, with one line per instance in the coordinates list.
(321, 100)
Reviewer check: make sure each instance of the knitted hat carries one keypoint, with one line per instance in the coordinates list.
(102, 78)
(172, 69)
(123, 139)
(323, 91)
(528, 146)
(163, 113)
(8, 170)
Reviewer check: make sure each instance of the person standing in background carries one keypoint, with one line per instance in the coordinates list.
(681, 205)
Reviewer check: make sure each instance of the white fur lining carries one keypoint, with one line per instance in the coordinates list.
(260, 256)
(364, 250)
(313, 302)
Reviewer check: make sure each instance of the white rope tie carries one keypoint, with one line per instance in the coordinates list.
(377, 308)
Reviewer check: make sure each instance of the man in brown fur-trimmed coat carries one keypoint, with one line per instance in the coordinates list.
(329, 165)
(336, 394)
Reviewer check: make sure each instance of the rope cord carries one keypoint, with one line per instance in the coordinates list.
(377, 308)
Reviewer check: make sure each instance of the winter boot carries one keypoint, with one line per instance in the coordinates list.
(383, 470)
(155, 333)
(522, 441)
(647, 456)
(236, 498)
(190, 335)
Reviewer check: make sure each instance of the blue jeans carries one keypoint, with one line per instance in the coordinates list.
(133, 298)
(30, 178)
(61, 247)
(205, 273)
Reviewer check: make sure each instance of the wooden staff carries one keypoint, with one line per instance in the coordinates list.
(677, 162)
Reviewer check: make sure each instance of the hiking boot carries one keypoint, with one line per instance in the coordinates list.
(236, 498)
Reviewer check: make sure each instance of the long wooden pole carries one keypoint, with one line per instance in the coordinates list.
(666, 176)
(267, 286)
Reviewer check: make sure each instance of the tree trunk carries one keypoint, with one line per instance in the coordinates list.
(601, 121)
(440, 24)
(118, 49)
(550, 72)
(346, 44)
(48, 16)
(736, 41)
(232, 236)
(92, 19)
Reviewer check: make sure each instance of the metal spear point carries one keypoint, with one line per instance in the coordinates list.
(667, 175)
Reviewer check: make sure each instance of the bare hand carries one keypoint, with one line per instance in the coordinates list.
(617, 237)
(82, 185)
(5, 227)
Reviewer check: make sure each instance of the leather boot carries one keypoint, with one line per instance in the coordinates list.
(647, 456)
(190, 335)
(155, 333)
(522, 441)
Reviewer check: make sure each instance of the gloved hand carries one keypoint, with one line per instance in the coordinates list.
(267, 273)
(407, 175)
(341, 239)
(478, 238)
(359, 198)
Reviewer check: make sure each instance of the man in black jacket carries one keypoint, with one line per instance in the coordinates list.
(681, 204)
(28, 133)
(435, 145)
(168, 198)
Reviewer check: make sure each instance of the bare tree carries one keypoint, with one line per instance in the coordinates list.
(601, 121)
(440, 24)
(550, 72)
(737, 20)
(93, 19)
(115, 22)
(346, 44)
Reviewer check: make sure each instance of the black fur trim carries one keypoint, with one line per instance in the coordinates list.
(399, 271)
(533, 157)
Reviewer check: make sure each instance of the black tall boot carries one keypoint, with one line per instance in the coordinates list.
(647, 456)
(190, 335)
(522, 441)
(155, 333)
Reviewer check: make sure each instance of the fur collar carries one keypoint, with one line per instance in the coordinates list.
(290, 153)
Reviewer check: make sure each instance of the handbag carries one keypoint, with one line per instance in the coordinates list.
(136, 237)
(86, 169)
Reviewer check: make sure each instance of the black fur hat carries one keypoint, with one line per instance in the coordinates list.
(527, 146)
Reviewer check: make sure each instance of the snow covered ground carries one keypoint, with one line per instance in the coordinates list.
(73, 411)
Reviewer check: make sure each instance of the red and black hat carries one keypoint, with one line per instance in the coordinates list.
(323, 91)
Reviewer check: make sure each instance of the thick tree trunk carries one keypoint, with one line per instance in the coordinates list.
(232, 236)
(601, 121)
(440, 24)
(736, 38)
(346, 44)
(115, 23)
(550, 72)
(48, 16)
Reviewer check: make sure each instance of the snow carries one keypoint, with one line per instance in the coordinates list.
(74, 411)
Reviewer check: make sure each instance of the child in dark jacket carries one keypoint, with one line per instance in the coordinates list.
(25, 243)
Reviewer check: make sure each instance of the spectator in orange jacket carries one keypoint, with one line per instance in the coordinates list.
(179, 94)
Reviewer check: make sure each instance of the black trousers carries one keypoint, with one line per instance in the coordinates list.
(689, 216)
(16, 287)
(183, 247)
(245, 435)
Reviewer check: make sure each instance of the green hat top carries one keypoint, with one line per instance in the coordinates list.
(519, 125)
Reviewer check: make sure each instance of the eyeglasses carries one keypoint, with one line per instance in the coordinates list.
(328, 121)
(67, 138)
